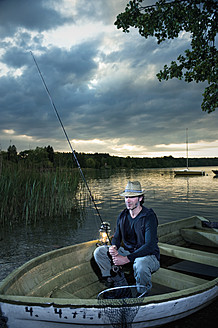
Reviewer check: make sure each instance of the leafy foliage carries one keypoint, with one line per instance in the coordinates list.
(12, 153)
(166, 20)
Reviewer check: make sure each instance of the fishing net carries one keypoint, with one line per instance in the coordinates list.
(119, 313)
(122, 292)
(120, 304)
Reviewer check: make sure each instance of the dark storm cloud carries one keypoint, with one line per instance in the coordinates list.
(29, 14)
(127, 102)
(24, 99)
(125, 110)
(154, 103)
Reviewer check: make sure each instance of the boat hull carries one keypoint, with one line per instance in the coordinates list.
(106, 314)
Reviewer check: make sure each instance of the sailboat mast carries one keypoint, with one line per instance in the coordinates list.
(187, 148)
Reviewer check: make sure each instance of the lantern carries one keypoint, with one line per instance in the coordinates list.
(104, 233)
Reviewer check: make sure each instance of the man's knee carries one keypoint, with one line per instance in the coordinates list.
(146, 264)
(100, 252)
(139, 265)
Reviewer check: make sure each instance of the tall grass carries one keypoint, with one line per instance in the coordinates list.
(29, 195)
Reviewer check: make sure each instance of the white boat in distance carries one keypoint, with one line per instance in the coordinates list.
(187, 171)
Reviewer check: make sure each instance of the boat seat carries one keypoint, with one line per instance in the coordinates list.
(205, 237)
(176, 280)
(189, 254)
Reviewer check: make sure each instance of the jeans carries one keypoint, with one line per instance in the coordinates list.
(143, 266)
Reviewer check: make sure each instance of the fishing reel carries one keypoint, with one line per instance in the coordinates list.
(115, 269)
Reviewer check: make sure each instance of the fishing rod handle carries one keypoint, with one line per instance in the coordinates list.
(114, 268)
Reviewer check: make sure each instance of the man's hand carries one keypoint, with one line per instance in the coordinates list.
(113, 250)
(120, 260)
(117, 258)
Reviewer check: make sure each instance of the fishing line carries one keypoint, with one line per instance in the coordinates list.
(68, 140)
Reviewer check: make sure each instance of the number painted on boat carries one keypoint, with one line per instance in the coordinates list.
(29, 310)
(59, 312)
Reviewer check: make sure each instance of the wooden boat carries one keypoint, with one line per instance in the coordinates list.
(60, 288)
(187, 171)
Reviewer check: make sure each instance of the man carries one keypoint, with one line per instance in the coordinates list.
(136, 231)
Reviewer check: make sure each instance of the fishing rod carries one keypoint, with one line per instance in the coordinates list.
(68, 140)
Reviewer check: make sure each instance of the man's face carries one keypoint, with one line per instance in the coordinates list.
(132, 202)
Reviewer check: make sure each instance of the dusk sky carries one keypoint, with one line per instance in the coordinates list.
(102, 81)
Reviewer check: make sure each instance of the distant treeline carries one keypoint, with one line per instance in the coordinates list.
(45, 158)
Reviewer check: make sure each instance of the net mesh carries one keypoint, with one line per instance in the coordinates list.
(121, 315)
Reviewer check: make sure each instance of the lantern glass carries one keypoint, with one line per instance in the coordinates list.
(104, 233)
(103, 237)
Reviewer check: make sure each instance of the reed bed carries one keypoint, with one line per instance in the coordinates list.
(30, 195)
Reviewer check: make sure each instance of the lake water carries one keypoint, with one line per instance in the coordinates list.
(172, 198)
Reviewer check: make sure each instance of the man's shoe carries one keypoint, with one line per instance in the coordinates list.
(120, 280)
(108, 282)
(120, 288)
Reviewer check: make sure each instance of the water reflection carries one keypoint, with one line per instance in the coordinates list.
(26, 242)
(171, 197)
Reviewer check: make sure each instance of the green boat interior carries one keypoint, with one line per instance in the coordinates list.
(71, 272)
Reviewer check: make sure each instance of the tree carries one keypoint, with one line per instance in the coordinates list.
(36, 157)
(90, 162)
(50, 152)
(165, 20)
(12, 153)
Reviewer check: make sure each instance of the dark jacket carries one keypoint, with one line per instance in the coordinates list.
(138, 235)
